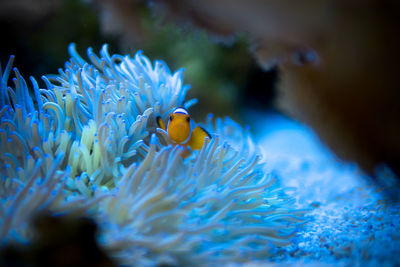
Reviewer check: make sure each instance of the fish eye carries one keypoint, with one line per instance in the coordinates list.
(188, 119)
(170, 118)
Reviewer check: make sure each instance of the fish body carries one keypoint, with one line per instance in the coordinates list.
(183, 131)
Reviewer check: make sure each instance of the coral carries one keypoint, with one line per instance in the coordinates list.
(89, 144)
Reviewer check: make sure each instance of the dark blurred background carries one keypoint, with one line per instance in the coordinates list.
(224, 78)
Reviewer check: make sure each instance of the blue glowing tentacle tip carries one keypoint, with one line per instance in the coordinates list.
(8, 67)
(71, 46)
(153, 139)
(90, 50)
(139, 52)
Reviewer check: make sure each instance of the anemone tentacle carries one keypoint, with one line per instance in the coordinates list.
(88, 143)
(249, 211)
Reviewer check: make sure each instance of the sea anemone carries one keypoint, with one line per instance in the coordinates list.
(89, 144)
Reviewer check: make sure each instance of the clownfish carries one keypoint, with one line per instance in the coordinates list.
(183, 131)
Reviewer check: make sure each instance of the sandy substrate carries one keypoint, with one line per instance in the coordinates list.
(351, 222)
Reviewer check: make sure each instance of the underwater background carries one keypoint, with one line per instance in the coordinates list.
(267, 191)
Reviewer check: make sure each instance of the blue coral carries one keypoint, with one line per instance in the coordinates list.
(89, 143)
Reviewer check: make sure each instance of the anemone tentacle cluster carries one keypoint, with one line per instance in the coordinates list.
(89, 143)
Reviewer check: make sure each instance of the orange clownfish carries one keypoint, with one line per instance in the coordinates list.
(182, 130)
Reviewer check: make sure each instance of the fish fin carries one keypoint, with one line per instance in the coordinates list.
(160, 123)
(197, 138)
